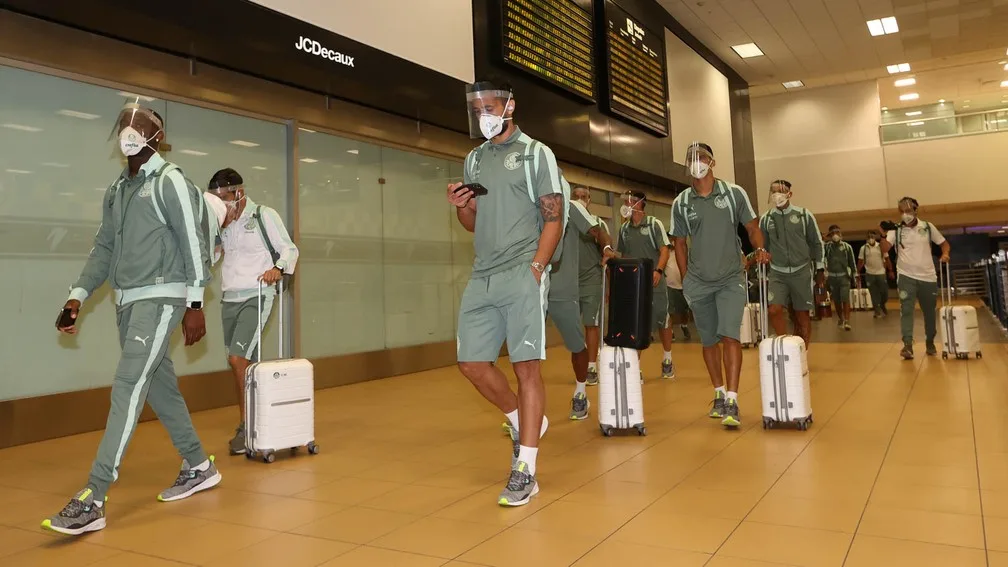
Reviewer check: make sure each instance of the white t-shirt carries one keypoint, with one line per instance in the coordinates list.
(672, 276)
(872, 258)
(913, 255)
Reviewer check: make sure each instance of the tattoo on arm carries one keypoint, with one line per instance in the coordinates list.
(551, 207)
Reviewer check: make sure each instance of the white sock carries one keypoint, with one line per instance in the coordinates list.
(593, 366)
(668, 356)
(579, 388)
(528, 455)
(98, 504)
(513, 419)
(545, 426)
(202, 466)
(733, 396)
(721, 390)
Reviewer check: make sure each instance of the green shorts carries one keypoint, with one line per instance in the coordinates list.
(505, 306)
(566, 315)
(659, 307)
(839, 288)
(717, 309)
(591, 307)
(240, 320)
(794, 289)
(677, 302)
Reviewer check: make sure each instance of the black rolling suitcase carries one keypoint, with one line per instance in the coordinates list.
(630, 295)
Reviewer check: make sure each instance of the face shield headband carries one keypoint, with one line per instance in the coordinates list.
(698, 160)
(481, 105)
(134, 128)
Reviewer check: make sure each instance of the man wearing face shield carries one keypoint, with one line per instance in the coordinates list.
(876, 265)
(521, 222)
(590, 257)
(152, 249)
(644, 236)
(256, 248)
(709, 213)
(840, 270)
(792, 237)
(916, 277)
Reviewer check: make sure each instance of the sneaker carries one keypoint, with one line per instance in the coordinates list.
(907, 352)
(78, 517)
(717, 406)
(931, 349)
(685, 332)
(190, 481)
(508, 430)
(731, 414)
(846, 326)
(513, 433)
(237, 444)
(521, 487)
(668, 370)
(579, 407)
(592, 378)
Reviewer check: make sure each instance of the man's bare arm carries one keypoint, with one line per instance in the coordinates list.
(551, 208)
(681, 254)
(467, 216)
(602, 238)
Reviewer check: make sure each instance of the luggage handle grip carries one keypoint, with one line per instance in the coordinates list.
(280, 317)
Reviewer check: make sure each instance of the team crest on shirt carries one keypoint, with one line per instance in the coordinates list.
(795, 219)
(904, 295)
(770, 296)
(921, 230)
(721, 202)
(644, 230)
(250, 224)
(146, 190)
(511, 161)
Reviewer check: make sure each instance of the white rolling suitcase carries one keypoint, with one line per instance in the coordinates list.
(620, 399)
(784, 377)
(958, 324)
(860, 297)
(279, 399)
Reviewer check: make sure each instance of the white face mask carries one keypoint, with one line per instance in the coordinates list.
(871, 240)
(627, 211)
(779, 199)
(698, 169)
(132, 142)
(908, 217)
(836, 238)
(492, 125)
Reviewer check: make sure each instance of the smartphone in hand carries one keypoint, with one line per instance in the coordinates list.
(476, 188)
(66, 319)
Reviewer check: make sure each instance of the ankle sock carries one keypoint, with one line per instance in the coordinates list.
(668, 356)
(512, 418)
(579, 388)
(202, 466)
(721, 392)
(528, 455)
(733, 396)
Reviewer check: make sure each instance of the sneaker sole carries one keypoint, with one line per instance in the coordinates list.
(233, 452)
(205, 485)
(94, 526)
(715, 416)
(523, 501)
(731, 422)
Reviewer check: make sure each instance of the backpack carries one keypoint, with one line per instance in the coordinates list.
(935, 249)
(257, 215)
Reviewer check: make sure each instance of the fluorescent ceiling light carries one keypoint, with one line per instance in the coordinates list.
(22, 127)
(905, 82)
(890, 25)
(793, 84)
(244, 144)
(1006, 67)
(875, 28)
(259, 167)
(898, 68)
(128, 94)
(885, 26)
(918, 123)
(941, 101)
(915, 113)
(1004, 84)
(885, 109)
(747, 50)
(307, 130)
(78, 114)
(966, 106)
(54, 164)
(21, 171)
(910, 96)
(193, 153)
(354, 152)
(309, 160)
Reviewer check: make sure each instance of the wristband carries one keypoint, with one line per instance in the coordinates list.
(607, 247)
(538, 267)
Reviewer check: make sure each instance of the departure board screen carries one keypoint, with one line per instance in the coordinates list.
(634, 72)
(552, 40)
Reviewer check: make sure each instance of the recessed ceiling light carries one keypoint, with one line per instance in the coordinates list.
(54, 164)
(259, 167)
(898, 68)
(128, 94)
(917, 123)
(793, 84)
(966, 106)
(905, 82)
(885, 109)
(1006, 66)
(244, 144)
(747, 50)
(915, 113)
(1004, 84)
(78, 114)
(885, 26)
(306, 130)
(354, 152)
(21, 171)
(193, 152)
(309, 160)
(941, 101)
(22, 127)
(910, 96)
(890, 25)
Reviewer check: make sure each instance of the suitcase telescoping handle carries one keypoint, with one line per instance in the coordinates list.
(945, 283)
(280, 316)
(602, 307)
(764, 291)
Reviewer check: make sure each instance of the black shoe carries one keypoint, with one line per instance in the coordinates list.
(907, 352)
(685, 332)
(931, 350)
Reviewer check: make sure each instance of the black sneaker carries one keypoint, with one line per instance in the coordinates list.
(78, 517)
(931, 350)
(685, 332)
(907, 352)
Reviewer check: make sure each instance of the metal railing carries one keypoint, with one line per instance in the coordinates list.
(996, 282)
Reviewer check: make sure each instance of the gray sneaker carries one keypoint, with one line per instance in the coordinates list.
(521, 487)
(513, 433)
(78, 517)
(579, 407)
(190, 481)
(668, 370)
(846, 326)
(592, 377)
(731, 414)
(717, 407)
(237, 444)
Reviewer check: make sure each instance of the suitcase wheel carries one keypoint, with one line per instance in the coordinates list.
(768, 423)
(293, 451)
(641, 430)
(250, 455)
(606, 430)
(944, 355)
(313, 448)
(979, 354)
(269, 457)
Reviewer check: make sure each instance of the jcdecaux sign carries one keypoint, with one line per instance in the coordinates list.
(315, 48)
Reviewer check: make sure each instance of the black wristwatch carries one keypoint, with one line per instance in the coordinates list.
(197, 305)
(659, 271)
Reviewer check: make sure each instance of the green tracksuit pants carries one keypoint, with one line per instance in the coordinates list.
(924, 293)
(145, 374)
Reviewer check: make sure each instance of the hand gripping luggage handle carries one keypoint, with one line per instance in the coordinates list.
(280, 316)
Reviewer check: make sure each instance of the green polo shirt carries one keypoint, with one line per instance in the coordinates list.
(565, 274)
(590, 259)
(644, 240)
(712, 222)
(507, 218)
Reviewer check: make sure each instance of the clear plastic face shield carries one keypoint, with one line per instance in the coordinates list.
(836, 235)
(233, 199)
(780, 193)
(907, 209)
(489, 109)
(699, 161)
(135, 128)
(630, 204)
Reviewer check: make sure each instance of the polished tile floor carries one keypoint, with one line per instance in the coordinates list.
(904, 465)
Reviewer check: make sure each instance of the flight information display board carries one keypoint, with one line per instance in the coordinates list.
(634, 71)
(552, 40)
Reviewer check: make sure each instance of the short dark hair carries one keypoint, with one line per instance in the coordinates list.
(703, 146)
(834, 227)
(782, 183)
(913, 202)
(155, 113)
(492, 83)
(639, 195)
(226, 177)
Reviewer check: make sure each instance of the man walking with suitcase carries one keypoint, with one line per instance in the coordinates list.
(709, 213)
(644, 236)
(840, 271)
(256, 248)
(876, 266)
(915, 269)
(792, 238)
(152, 249)
(514, 204)
(590, 283)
